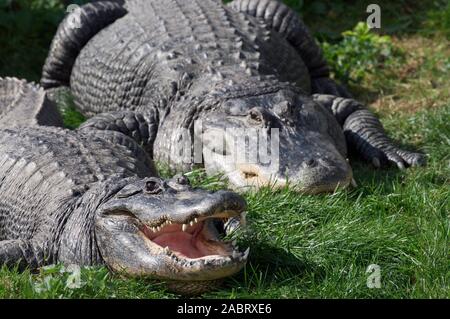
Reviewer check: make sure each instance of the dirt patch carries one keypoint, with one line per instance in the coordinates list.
(420, 80)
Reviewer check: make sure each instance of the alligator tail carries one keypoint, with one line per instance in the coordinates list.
(77, 28)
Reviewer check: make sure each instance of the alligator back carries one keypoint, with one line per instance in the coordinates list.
(44, 170)
(163, 48)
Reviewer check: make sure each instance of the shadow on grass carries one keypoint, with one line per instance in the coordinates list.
(268, 263)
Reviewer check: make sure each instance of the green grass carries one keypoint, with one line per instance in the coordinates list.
(316, 246)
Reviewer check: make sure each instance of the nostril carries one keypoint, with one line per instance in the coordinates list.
(249, 175)
(311, 162)
(183, 180)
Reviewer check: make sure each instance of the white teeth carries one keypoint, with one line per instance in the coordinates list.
(354, 184)
(196, 220)
(191, 223)
(235, 254)
(246, 253)
(184, 227)
(154, 229)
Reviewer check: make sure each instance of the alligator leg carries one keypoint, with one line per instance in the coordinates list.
(21, 253)
(73, 33)
(142, 128)
(287, 22)
(365, 133)
(25, 104)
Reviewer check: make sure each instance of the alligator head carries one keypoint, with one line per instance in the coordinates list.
(275, 139)
(169, 231)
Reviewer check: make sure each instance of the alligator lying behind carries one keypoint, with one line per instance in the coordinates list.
(248, 65)
(92, 197)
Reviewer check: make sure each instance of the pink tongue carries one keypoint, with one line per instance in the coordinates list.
(180, 242)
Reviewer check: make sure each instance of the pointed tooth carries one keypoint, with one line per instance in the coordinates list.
(246, 253)
(196, 220)
(184, 227)
(154, 229)
(354, 184)
(191, 223)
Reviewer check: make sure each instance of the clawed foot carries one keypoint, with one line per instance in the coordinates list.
(401, 158)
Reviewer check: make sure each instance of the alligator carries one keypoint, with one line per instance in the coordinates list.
(92, 197)
(218, 71)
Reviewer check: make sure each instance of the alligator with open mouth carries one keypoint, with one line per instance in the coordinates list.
(92, 197)
(248, 65)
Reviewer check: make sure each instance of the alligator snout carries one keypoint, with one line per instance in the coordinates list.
(311, 177)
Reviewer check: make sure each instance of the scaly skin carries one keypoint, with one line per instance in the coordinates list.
(250, 65)
(25, 104)
(93, 197)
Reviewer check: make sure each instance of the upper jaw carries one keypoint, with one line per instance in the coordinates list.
(180, 208)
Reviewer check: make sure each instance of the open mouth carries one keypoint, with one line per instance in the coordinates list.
(200, 238)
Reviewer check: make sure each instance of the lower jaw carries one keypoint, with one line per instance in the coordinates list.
(255, 185)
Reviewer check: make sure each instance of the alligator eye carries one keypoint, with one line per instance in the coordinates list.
(183, 180)
(152, 187)
(255, 116)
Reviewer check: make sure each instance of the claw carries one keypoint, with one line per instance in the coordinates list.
(397, 159)
(376, 162)
(400, 165)
(417, 159)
